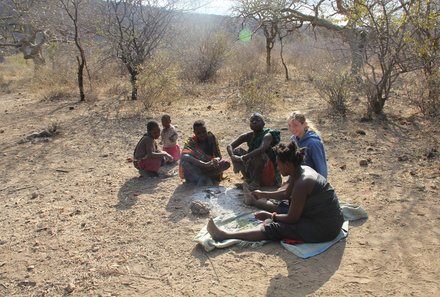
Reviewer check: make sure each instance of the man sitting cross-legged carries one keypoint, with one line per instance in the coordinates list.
(201, 161)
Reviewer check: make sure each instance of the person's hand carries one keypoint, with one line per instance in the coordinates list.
(211, 164)
(263, 215)
(236, 158)
(257, 194)
(168, 157)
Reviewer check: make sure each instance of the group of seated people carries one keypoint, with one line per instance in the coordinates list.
(304, 208)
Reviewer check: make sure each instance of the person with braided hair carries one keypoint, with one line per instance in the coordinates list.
(314, 214)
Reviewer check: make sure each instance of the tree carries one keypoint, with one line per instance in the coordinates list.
(267, 16)
(384, 59)
(424, 42)
(135, 28)
(71, 7)
(19, 30)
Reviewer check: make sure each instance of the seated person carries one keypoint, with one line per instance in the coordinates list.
(169, 137)
(306, 135)
(313, 216)
(257, 164)
(147, 157)
(201, 162)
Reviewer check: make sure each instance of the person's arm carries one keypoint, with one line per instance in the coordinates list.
(214, 143)
(282, 193)
(196, 162)
(265, 144)
(301, 189)
(316, 153)
(173, 137)
(151, 153)
(237, 142)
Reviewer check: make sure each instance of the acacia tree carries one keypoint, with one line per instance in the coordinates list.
(135, 28)
(320, 13)
(384, 59)
(22, 30)
(424, 42)
(267, 16)
(72, 7)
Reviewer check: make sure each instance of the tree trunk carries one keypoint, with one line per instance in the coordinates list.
(133, 80)
(357, 40)
(81, 63)
(286, 70)
(268, 57)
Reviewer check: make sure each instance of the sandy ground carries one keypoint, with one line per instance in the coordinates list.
(77, 219)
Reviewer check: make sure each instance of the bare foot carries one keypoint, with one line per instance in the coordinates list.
(249, 198)
(216, 233)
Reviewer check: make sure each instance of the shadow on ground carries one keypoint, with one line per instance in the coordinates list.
(132, 188)
(305, 276)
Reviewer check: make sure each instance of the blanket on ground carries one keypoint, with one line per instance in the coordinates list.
(247, 220)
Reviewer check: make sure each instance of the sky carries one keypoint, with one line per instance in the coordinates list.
(221, 7)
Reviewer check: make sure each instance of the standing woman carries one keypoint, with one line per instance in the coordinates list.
(305, 135)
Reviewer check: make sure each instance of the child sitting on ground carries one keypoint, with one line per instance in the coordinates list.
(147, 157)
(169, 138)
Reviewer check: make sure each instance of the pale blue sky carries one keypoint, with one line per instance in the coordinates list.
(217, 7)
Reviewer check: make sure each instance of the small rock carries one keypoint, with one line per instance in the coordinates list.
(209, 107)
(343, 167)
(95, 248)
(413, 172)
(403, 158)
(369, 149)
(199, 208)
(27, 283)
(363, 162)
(2, 242)
(30, 268)
(2, 131)
(70, 288)
(71, 107)
(34, 195)
(361, 132)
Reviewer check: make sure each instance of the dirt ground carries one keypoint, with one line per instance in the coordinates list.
(77, 219)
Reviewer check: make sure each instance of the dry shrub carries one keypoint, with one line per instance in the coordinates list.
(416, 88)
(335, 88)
(15, 72)
(58, 78)
(202, 63)
(54, 83)
(245, 64)
(256, 94)
(158, 81)
(253, 89)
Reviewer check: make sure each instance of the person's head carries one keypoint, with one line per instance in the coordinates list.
(256, 122)
(166, 121)
(298, 124)
(153, 129)
(200, 131)
(289, 157)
